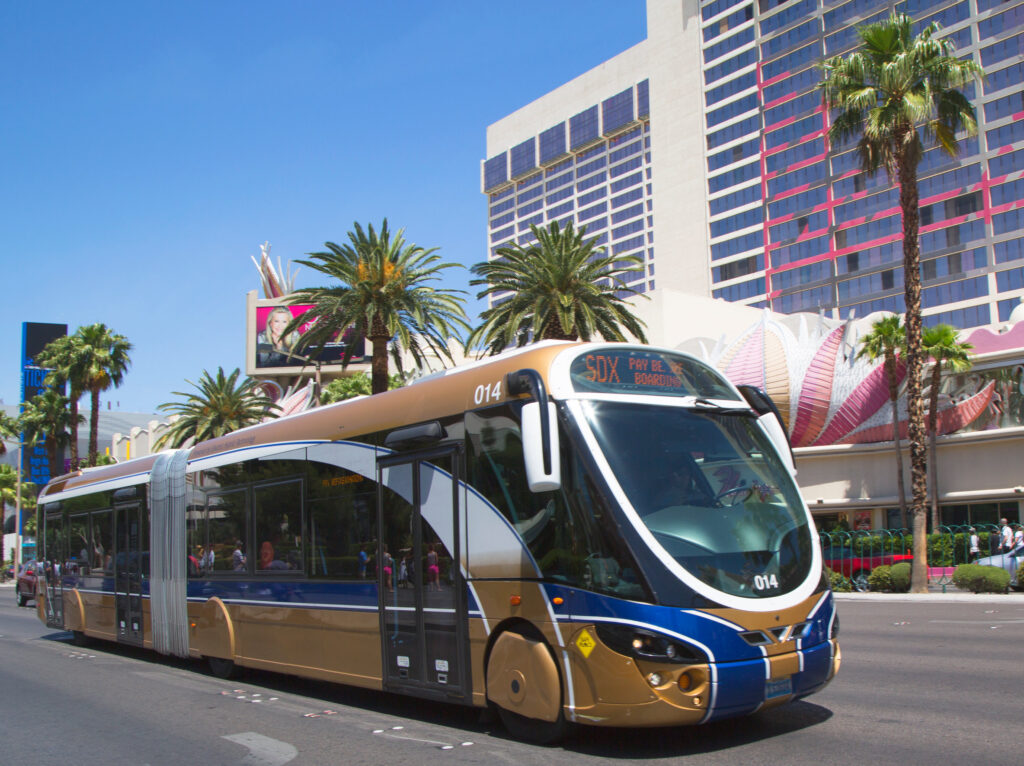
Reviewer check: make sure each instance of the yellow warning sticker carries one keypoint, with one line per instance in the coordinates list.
(585, 643)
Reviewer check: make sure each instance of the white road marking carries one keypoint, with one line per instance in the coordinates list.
(263, 751)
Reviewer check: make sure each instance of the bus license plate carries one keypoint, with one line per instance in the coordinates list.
(778, 688)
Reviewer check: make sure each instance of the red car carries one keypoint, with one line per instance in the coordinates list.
(857, 568)
(25, 588)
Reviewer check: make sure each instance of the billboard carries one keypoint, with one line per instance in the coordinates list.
(34, 338)
(270, 352)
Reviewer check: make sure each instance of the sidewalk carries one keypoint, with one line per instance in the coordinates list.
(936, 596)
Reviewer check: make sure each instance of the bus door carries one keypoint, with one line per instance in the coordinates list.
(53, 569)
(129, 568)
(423, 602)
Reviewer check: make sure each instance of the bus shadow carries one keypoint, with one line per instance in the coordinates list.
(714, 737)
(586, 740)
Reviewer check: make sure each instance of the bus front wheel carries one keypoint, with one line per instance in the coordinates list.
(524, 684)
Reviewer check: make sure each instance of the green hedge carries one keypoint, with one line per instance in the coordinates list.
(880, 578)
(839, 583)
(901, 577)
(981, 579)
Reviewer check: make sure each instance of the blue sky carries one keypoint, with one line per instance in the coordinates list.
(147, 149)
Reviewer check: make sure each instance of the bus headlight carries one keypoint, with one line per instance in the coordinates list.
(646, 645)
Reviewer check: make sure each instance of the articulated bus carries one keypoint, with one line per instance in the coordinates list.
(600, 534)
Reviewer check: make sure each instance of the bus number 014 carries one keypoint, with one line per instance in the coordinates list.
(766, 582)
(487, 392)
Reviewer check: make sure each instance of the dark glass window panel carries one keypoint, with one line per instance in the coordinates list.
(1010, 250)
(713, 9)
(625, 167)
(625, 151)
(730, 110)
(952, 292)
(495, 171)
(1002, 50)
(624, 183)
(591, 212)
(741, 291)
(798, 251)
(560, 210)
(788, 157)
(730, 88)
(794, 12)
(809, 174)
(734, 131)
(805, 300)
(864, 206)
(559, 195)
(727, 67)
(552, 143)
(803, 275)
(973, 316)
(554, 183)
(1002, 22)
(617, 111)
(735, 199)
(591, 181)
(788, 109)
(1004, 107)
(583, 127)
(738, 268)
(736, 222)
(752, 241)
(626, 213)
(643, 98)
(793, 84)
(798, 202)
(733, 154)
(733, 177)
(720, 49)
(848, 38)
(795, 131)
(523, 158)
(1012, 75)
(791, 37)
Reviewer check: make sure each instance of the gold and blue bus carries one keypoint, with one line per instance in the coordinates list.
(599, 534)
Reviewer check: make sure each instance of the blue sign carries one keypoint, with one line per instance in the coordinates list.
(34, 338)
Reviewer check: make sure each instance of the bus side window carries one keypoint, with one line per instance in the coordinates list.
(342, 519)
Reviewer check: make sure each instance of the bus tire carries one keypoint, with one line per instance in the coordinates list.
(533, 730)
(78, 638)
(524, 685)
(222, 668)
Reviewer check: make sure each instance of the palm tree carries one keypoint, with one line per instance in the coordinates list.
(8, 430)
(46, 419)
(106, 360)
(893, 86)
(9, 490)
(560, 287)
(384, 294)
(941, 345)
(222, 405)
(68, 361)
(351, 386)
(886, 340)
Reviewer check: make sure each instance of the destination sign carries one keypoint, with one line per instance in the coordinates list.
(632, 371)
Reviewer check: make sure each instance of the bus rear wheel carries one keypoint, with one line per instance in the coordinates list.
(223, 668)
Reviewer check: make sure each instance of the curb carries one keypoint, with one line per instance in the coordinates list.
(958, 597)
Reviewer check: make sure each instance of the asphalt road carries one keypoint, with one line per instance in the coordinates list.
(935, 682)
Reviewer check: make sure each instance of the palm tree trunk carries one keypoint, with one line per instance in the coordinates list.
(894, 397)
(74, 431)
(907, 173)
(53, 457)
(379, 337)
(94, 423)
(933, 430)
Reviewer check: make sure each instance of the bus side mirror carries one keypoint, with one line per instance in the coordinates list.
(539, 478)
(771, 420)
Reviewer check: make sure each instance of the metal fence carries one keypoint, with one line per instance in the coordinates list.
(854, 554)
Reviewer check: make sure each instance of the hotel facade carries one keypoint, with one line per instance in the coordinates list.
(703, 151)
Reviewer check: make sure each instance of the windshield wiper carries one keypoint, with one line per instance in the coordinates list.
(700, 403)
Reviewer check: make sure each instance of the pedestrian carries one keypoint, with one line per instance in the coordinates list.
(1018, 540)
(1005, 536)
(975, 545)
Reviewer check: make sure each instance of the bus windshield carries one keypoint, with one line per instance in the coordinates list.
(712, 492)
